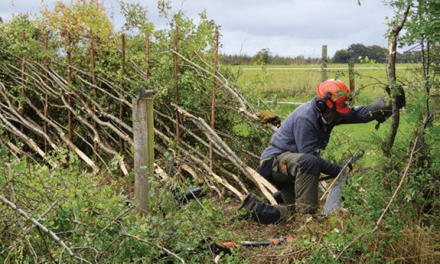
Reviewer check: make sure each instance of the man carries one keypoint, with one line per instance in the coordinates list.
(292, 161)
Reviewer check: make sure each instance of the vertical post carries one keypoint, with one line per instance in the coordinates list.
(69, 80)
(176, 95)
(352, 83)
(143, 134)
(92, 53)
(147, 56)
(324, 63)
(46, 105)
(23, 68)
(211, 159)
(121, 106)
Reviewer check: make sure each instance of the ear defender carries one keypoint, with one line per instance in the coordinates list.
(322, 103)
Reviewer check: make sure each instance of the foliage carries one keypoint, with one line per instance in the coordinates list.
(77, 19)
(96, 222)
(90, 213)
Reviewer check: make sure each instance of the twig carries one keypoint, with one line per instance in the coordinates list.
(398, 187)
(285, 255)
(105, 228)
(145, 241)
(52, 234)
(328, 248)
(389, 203)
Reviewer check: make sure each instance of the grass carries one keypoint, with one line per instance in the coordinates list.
(293, 82)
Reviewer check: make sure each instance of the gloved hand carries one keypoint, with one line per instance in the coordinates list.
(269, 117)
(381, 110)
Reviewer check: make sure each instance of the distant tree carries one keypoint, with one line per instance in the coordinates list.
(341, 56)
(263, 56)
(377, 53)
(357, 50)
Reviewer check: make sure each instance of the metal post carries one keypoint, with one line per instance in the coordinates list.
(92, 53)
(176, 94)
(69, 80)
(324, 63)
(147, 56)
(121, 106)
(46, 104)
(143, 134)
(211, 159)
(23, 68)
(352, 77)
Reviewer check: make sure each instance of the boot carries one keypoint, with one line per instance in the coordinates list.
(246, 208)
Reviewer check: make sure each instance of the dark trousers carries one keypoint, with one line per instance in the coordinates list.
(296, 176)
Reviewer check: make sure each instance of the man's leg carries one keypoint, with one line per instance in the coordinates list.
(306, 184)
(284, 169)
(303, 171)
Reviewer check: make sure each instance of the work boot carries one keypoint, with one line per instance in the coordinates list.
(246, 208)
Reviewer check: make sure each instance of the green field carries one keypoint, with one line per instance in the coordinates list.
(298, 82)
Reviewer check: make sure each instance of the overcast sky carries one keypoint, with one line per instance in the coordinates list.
(286, 27)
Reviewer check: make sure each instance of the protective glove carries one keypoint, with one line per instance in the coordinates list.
(269, 117)
(382, 111)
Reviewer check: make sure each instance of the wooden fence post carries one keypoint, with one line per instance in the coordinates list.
(143, 134)
(324, 63)
(351, 77)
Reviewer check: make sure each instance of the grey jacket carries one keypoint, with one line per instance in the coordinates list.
(302, 132)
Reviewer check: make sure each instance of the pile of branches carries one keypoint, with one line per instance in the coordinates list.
(41, 85)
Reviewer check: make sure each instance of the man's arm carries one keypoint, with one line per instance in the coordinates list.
(359, 114)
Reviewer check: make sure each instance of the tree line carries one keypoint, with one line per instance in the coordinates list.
(355, 52)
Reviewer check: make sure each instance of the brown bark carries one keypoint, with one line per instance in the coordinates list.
(394, 33)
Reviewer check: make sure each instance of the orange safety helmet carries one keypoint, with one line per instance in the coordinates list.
(339, 91)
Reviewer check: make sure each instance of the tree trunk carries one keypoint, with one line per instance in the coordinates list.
(394, 33)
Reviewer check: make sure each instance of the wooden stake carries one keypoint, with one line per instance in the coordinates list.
(324, 63)
(211, 159)
(351, 77)
(143, 135)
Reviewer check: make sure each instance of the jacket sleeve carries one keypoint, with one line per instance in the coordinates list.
(307, 136)
(359, 114)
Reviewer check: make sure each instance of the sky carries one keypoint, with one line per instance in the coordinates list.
(286, 27)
